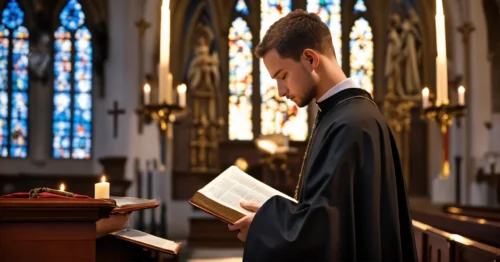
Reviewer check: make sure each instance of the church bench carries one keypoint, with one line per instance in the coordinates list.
(477, 229)
(488, 213)
(435, 245)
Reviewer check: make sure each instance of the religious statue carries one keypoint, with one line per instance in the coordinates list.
(393, 55)
(203, 80)
(403, 57)
(412, 54)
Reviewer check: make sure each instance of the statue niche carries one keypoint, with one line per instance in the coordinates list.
(203, 80)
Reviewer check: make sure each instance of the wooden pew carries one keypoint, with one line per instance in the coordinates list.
(434, 245)
(488, 213)
(477, 229)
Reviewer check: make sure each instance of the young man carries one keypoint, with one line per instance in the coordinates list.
(352, 203)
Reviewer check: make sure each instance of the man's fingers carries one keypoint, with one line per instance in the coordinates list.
(250, 206)
(238, 224)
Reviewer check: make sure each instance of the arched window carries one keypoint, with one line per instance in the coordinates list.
(278, 115)
(14, 49)
(361, 50)
(240, 76)
(72, 112)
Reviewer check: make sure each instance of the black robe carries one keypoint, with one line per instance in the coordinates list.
(352, 203)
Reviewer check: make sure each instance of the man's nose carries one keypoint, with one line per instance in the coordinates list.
(282, 90)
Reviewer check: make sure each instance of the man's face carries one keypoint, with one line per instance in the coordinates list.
(293, 78)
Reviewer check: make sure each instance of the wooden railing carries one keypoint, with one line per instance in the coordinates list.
(434, 245)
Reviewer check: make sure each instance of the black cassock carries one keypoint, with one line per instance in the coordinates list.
(352, 202)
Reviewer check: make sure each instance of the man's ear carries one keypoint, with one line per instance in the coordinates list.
(311, 57)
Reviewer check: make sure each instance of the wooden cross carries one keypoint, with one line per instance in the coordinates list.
(115, 112)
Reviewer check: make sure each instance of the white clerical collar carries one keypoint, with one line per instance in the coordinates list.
(345, 84)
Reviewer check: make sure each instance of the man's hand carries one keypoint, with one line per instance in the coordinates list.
(244, 223)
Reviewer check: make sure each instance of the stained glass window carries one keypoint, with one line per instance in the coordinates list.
(278, 115)
(361, 58)
(360, 6)
(329, 12)
(14, 49)
(72, 112)
(240, 81)
(242, 7)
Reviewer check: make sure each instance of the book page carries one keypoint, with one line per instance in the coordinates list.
(123, 201)
(145, 238)
(233, 186)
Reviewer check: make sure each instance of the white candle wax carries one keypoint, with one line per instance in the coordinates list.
(461, 95)
(101, 190)
(441, 61)
(147, 94)
(165, 91)
(425, 97)
(181, 91)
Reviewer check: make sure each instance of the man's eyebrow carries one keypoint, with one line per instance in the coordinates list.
(277, 72)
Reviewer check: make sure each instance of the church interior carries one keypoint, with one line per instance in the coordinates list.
(155, 98)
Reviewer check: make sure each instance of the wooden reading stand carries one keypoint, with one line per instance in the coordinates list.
(51, 229)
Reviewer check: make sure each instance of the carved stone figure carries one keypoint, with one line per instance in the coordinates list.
(393, 55)
(203, 79)
(412, 54)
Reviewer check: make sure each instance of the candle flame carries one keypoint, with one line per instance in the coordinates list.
(62, 187)
(181, 88)
(103, 178)
(461, 90)
(147, 88)
(425, 91)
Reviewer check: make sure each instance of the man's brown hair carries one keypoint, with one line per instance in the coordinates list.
(293, 33)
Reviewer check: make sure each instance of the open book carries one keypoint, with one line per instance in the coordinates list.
(148, 241)
(222, 196)
(129, 204)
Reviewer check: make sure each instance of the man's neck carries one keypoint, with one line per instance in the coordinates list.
(331, 79)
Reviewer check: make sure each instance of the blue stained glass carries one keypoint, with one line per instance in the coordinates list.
(72, 126)
(14, 72)
(12, 15)
(72, 16)
(242, 7)
(360, 6)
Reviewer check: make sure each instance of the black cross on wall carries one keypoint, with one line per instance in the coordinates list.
(115, 112)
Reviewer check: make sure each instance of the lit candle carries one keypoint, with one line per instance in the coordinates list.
(461, 95)
(147, 94)
(425, 97)
(101, 189)
(181, 91)
(62, 187)
(165, 91)
(441, 61)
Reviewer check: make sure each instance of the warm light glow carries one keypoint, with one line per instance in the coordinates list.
(62, 187)
(181, 88)
(425, 97)
(425, 92)
(461, 95)
(461, 90)
(103, 179)
(241, 163)
(147, 88)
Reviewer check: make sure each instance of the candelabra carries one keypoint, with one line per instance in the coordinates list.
(162, 114)
(443, 114)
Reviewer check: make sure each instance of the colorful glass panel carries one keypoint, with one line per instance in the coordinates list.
(72, 112)
(72, 16)
(242, 7)
(14, 51)
(240, 81)
(329, 12)
(278, 115)
(361, 59)
(360, 6)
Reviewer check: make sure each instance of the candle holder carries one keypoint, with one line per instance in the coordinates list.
(162, 114)
(443, 116)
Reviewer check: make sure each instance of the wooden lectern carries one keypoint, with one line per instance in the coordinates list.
(51, 229)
